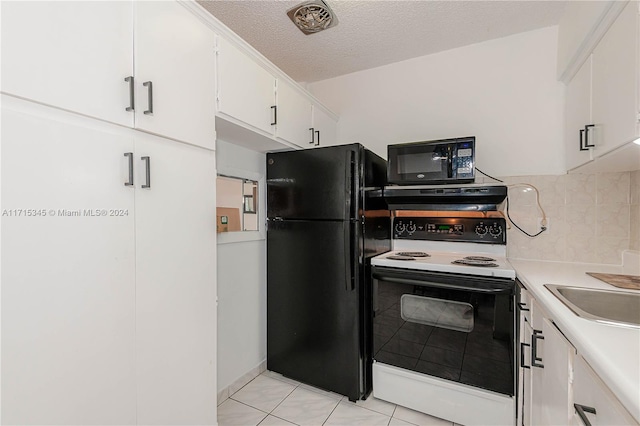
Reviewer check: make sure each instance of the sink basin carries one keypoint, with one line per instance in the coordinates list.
(613, 307)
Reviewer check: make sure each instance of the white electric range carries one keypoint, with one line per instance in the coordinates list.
(445, 320)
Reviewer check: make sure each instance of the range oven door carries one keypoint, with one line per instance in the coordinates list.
(451, 326)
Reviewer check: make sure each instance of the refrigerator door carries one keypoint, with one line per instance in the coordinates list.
(313, 305)
(319, 183)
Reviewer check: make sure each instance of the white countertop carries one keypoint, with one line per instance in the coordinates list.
(612, 351)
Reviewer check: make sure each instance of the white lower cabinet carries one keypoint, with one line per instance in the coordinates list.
(108, 289)
(556, 382)
(175, 284)
(68, 279)
(550, 376)
(599, 405)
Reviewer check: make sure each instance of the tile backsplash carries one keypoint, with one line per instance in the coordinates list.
(592, 218)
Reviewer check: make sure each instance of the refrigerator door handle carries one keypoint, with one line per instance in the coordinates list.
(349, 255)
(348, 180)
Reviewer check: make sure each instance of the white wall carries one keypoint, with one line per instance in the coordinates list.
(502, 91)
(242, 271)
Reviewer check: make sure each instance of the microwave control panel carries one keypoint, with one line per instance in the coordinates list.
(464, 159)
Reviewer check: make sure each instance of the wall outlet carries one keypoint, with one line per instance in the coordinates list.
(540, 223)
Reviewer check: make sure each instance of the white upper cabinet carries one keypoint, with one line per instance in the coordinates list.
(616, 76)
(294, 116)
(245, 90)
(325, 128)
(72, 55)
(80, 56)
(174, 73)
(577, 116)
(602, 109)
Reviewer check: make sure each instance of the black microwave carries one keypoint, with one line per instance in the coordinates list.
(444, 161)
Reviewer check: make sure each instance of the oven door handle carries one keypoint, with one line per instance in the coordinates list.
(448, 286)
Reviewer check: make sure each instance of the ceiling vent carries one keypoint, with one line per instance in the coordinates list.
(312, 16)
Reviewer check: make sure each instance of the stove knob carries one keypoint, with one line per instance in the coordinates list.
(411, 228)
(495, 230)
(400, 227)
(481, 230)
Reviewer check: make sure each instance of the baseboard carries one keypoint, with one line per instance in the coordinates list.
(234, 387)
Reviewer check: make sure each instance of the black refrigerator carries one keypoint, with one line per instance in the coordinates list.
(326, 219)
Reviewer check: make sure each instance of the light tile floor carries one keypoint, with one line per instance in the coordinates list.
(271, 399)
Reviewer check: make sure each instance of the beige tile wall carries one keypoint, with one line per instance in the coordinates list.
(592, 218)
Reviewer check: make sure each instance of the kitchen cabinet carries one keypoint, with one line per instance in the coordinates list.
(81, 56)
(245, 90)
(601, 108)
(324, 127)
(174, 73)
(577, 115)
(523, 411)
(591, 394)
(545, 366)
(109, 283)
(175, 284)
(616, 77)
(72, 55)
(68, 279)
(294, 116)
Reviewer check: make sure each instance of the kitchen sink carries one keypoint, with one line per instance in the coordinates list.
(607, 306)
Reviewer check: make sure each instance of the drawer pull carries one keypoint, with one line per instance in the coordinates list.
(581, 410)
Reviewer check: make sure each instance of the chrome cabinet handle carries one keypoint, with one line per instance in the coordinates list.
(130, 181)
(522, 346)
(147, 160)
(313, 134)
(537, 334)
(275, 115)
(131, 93)
(149, 97)
(581, 410)
(586, 136)
(317, 137)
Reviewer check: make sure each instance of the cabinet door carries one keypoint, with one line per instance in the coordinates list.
(245, 89)
(615, 83)
(590, 391)
(68, 291)
(326, 126)
(524, 387)
(175, 51)
(294, 116)
(550, 383)
(175, 283)
(72, 55)
(577, 115)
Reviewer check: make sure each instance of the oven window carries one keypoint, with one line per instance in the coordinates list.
(447, 314)
(458, 335)
(420, 163)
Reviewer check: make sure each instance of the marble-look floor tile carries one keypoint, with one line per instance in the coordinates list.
(305, 407)
(280, 377)
(322, 391)
(347, 413)
(418, 418)
(264, 393)
(397, 422)
(377, 405)
(275, 421)
(231, 413)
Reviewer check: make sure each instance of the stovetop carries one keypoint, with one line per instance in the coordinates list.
(446, 242)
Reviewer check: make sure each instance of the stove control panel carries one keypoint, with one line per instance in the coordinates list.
(477, 230)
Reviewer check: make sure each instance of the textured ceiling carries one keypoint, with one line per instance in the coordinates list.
(375, 33)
